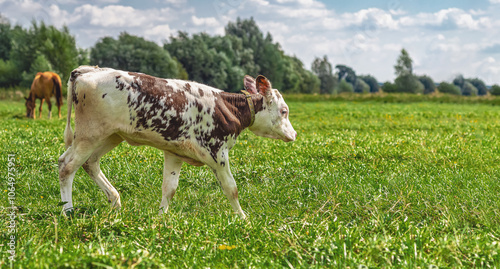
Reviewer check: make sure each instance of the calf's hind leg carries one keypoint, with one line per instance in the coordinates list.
(93, 169)
(69, 163)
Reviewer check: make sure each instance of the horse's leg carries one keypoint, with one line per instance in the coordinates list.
(49, 103)
(39, 109)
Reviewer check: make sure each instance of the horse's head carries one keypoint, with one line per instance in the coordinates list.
(30, 107)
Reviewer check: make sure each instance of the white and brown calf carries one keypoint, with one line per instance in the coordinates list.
(188, 121)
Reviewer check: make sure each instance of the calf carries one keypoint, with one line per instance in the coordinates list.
(188, 121)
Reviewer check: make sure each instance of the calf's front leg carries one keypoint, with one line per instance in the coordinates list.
(228, 185)
(171, 169)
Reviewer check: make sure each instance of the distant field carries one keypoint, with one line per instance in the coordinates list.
(366, 183)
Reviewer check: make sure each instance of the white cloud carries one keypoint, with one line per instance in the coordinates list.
(159, 33)
(303, 3)
(447, 19)
(392, 47)
(209, 22)
(477, 12)
(113, 16)
(302, 13)
(95, 2)
(370, 17)
(259, 2)
(397, 12)
(175, 2)
(94, 22)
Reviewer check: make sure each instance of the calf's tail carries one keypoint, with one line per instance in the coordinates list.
(68, 131)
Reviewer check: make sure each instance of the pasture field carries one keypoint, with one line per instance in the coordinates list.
(366, 184)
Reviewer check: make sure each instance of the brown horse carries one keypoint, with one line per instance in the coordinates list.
(43, 87)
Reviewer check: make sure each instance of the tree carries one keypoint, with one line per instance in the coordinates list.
(5, 38)
(495, 89)
(404, 65)
(323, 69)
(480, 86)
(429, 86)
(9, 74)
(405, 80)
(310, 82)
(57, 46)
(409, 84)
(222, 61)
(389, 87)
(207, 59)
(445, 87)
(459, 81)
(344, 87)
(135, 54)
(468, 86)
(297, 79)
(469, 89)
(361, 86)
(371, 81)
(83, 57)
(346, 73)
(33, 50)
(40, 64)
(267, 55)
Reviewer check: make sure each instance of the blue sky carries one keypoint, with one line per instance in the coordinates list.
(444, 37)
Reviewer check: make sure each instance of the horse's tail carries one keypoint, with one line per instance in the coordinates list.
(68, 132)
(58, 91)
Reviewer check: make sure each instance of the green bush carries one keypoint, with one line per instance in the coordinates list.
(9, 75)
(495, 89)
(409, 83)
(361, 86)
(445, 87)
(371, 81)
(429, 86)
(469, 89)
(344, 86)
(389, 87)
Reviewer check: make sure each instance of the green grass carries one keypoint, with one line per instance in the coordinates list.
(366, 183)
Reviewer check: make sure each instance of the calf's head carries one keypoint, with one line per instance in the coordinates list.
(273, 120)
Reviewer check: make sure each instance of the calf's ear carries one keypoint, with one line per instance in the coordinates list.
(263, 85)
(249, 84)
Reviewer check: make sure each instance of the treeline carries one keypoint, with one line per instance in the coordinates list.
(344, 79)
(218, 61)
(406, 81)
(24, 52)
